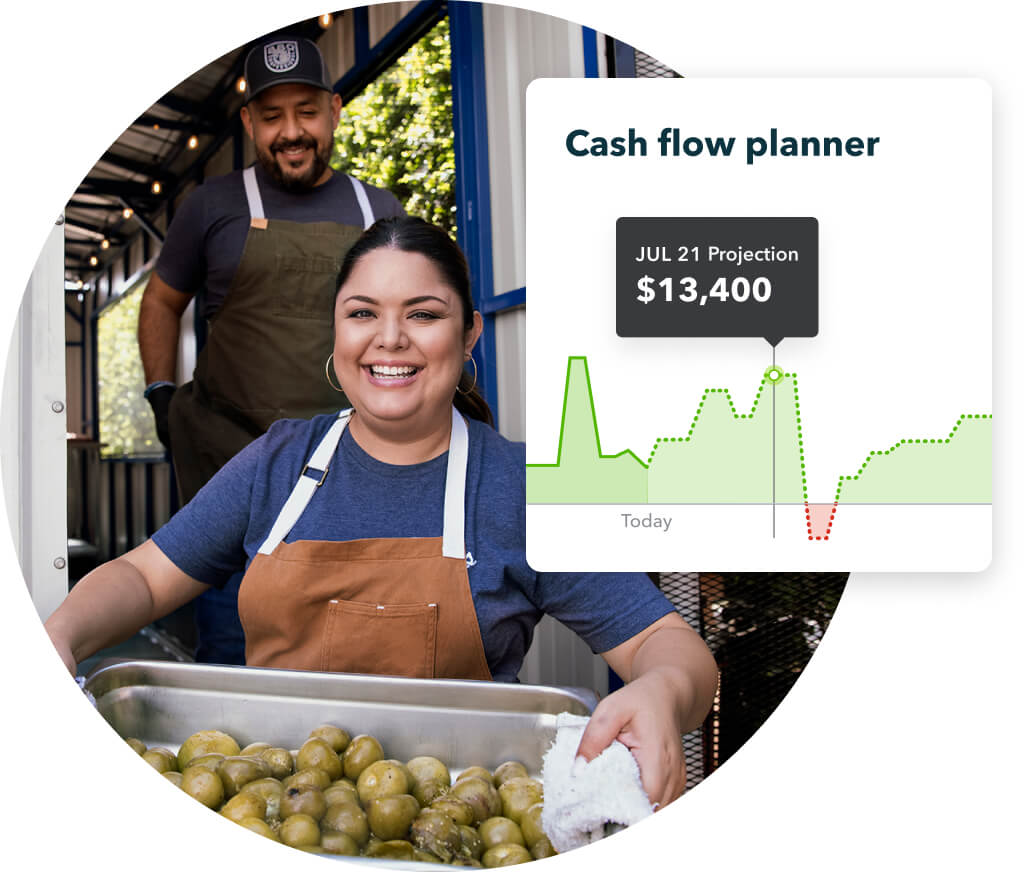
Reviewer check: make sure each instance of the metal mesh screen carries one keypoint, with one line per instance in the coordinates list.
(762, 629)
(649, 68)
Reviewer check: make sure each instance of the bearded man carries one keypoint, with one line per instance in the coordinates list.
(266, 245)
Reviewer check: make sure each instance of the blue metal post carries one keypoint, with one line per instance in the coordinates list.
(361, 33)
(472, 182)
(589, 53)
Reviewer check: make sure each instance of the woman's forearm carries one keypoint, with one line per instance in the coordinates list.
(106, 607)
(682, 659)
(116, 600)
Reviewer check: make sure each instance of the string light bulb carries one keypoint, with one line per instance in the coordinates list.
(156, 187)
(94, 261)
(105, 243)
(193, 141)
(325, 20)
(240, 85)
(127, 212)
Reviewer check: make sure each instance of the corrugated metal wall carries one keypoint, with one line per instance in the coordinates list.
(33, 431)
(521, 46)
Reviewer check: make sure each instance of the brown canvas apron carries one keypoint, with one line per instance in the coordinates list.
(264, 357)
(380, 606)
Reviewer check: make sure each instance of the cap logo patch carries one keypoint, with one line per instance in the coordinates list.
(281, 56)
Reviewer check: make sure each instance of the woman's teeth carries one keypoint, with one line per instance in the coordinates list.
(392, 371)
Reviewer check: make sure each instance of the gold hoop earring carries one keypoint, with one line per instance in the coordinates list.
(472, 360)
(327, 372)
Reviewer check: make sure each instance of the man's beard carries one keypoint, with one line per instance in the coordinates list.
(309, 178)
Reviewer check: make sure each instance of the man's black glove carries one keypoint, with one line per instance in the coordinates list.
(159, 399)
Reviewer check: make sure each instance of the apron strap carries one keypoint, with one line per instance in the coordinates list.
(364, 201)
(454, 543)
(454, 536)
(252, 193)
(305, 487)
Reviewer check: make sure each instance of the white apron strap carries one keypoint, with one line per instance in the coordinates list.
(454, 536)
(252, 193)
(454, 544)
(364, 201)
(305, 487)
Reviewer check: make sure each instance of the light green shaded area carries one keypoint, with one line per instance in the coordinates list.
(726, 457)
(581, 473)
(790, 457)
(957, 469)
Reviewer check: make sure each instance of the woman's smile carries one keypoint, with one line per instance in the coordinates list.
(387, 375)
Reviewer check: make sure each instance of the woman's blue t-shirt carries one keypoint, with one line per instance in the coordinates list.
(220, 530)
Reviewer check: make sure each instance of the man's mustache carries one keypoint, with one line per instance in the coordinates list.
(304, 142)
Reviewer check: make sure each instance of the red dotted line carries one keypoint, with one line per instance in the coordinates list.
(810, 529)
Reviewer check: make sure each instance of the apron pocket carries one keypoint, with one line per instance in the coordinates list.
(306, 287)
(380, 639)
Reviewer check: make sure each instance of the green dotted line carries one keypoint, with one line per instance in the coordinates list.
(799, 434)
(867, 460)
(700, 409)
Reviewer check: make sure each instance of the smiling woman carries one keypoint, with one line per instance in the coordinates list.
(392, 534)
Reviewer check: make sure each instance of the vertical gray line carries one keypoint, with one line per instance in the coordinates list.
(773, 446)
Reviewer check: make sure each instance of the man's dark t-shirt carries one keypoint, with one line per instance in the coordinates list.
(207, 235)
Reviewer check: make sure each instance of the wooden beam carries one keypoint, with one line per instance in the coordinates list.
(114, 188)
(189, 125)
(142, 168)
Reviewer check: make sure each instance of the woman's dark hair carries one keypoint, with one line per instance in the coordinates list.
(416, 236)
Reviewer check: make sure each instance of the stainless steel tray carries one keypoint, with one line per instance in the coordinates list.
(463, 723)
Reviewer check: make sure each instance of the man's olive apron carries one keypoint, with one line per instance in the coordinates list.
(265, 354)
(382, 606)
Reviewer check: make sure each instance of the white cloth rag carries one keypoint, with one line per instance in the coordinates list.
(581, 797)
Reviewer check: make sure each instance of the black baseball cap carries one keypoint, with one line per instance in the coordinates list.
(280, 60)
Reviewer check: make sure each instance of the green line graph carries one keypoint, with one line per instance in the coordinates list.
(757, 456)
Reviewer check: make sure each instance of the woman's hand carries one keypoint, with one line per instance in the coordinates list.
(641, 715)
(671, 679)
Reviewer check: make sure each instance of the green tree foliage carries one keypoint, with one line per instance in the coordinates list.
(397, 134)
(126, 422)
